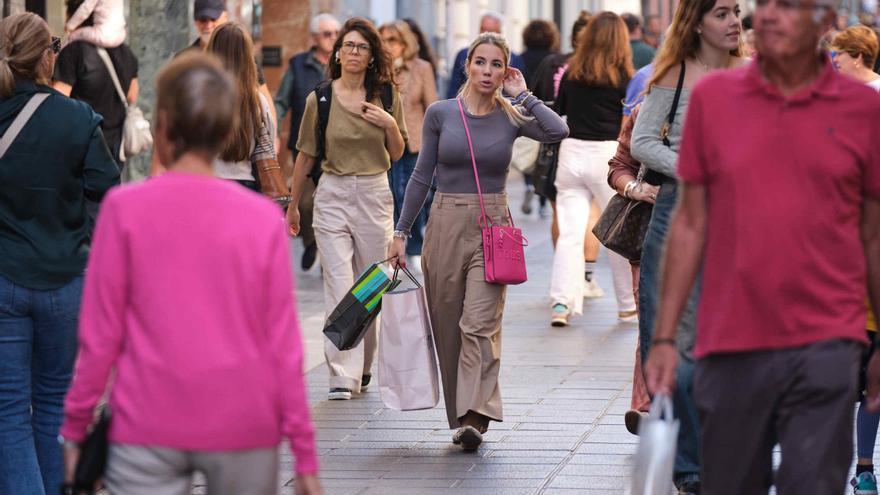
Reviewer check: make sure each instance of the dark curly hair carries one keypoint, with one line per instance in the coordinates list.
(380, 72)
(541, 35)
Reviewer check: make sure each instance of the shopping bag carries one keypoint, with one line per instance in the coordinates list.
(408, 378)
(658, 434)
(525, 154)
(349, 321)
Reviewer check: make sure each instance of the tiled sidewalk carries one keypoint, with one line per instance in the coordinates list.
(565, 392)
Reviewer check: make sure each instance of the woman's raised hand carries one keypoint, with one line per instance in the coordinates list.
(514, 82)
(376, 115)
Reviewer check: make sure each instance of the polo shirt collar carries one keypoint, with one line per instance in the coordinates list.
(824, 85)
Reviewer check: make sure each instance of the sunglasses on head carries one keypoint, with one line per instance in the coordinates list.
(55, 45)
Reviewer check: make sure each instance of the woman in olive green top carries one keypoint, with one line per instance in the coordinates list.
(353, 202)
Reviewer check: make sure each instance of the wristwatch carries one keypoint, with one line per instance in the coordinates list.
(399, 234)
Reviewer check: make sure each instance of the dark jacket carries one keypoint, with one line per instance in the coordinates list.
(307, 72)
(57, 163)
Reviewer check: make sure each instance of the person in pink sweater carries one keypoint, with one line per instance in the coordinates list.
(188, 305)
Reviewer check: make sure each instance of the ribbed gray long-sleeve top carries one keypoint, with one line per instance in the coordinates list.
(647, 145)
(445, 150)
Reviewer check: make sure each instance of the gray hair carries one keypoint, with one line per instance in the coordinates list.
(318, 19)
(494, 16)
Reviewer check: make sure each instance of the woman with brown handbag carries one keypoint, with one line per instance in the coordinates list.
(249, 156)
(466, 310)
(704, 36)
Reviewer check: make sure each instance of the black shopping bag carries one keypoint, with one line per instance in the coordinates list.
(348, 323)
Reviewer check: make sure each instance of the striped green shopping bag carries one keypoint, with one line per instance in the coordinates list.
(348, 323)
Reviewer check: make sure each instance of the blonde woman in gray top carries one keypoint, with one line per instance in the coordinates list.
(704, 36)
(466, 311)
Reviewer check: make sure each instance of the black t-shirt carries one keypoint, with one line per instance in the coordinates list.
(80, 66)
(594, 113)
(197, 45)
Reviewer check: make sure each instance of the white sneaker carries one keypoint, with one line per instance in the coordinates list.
(414, 263)
(592, 290)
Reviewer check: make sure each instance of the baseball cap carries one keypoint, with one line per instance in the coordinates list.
(209, 8)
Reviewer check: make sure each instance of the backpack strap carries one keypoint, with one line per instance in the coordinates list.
(323, 97)
(387, 97)
(20, 120)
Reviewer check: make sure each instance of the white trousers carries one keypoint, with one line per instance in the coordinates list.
(581, 176)
(353, 218)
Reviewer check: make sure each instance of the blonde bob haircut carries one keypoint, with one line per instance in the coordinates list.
(406, 36)
(858, 40)
(513, 113)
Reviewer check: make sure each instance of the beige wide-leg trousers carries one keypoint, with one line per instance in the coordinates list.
(353, 218)
(465, 310)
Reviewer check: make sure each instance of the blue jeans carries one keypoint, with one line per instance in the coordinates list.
(687, 459)
(38, 345)
(401, 171)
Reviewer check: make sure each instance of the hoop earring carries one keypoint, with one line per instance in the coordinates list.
(370, 65)
(337, 57)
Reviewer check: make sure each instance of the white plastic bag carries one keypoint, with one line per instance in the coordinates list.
(655, 457)
(525, 154)
(408, 375)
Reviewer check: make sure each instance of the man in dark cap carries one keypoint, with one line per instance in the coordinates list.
(207, 15)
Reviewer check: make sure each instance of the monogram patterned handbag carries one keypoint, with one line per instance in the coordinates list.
(623, 225)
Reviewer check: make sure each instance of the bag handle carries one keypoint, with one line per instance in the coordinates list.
(408, 274)
(662, 405)
(667, 126)
(112, 69)
(20, 120)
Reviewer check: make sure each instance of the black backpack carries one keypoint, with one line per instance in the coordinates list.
(323, 96)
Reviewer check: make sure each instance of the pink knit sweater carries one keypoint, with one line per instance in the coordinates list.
(189, 296)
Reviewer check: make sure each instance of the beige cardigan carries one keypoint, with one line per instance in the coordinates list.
(415, 81)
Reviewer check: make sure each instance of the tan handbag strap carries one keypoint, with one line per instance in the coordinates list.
(105, 57)
(20, 120)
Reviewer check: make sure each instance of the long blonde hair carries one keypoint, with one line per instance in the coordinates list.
(232, 44)
(407, 38)
(516, 117)
(25, 39)
(683, 41)
(603, 56)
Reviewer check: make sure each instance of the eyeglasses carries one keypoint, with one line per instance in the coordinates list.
(328, 34)
(351, 48)
(55, 45)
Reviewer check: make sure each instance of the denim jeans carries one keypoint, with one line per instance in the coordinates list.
(401, 171)
(687, 459)
(38, 345)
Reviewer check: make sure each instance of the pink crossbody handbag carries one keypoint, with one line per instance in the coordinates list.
(505, 262)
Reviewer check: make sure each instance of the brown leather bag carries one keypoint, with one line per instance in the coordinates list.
(271, 181)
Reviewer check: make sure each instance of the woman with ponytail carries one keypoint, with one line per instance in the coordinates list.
(704, 36)
(466, 311)
(56, 164)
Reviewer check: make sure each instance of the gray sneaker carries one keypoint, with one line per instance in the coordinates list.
(339, 394)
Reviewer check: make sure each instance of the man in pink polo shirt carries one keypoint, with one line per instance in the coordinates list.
(780, 164)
